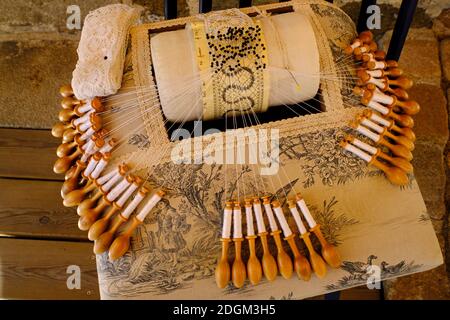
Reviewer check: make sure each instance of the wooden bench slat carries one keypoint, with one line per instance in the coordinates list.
(28, 154)
(34, 208)
(361, 293)
(37, 269)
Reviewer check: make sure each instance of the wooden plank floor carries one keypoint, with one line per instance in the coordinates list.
(39, 238)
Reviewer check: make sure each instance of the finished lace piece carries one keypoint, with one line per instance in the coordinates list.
(101, 51)
(231, 56)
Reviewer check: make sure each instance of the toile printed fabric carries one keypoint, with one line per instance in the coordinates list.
(375, 225)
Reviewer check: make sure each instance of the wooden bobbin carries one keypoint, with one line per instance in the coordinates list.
(69, 134)
(390, 124)
(254, 268)
(398, 92)
(89, 203)
(395, 175)
(366, 36)
(105, 240)
(363, 37)
(301, 264)
(69, 102)
(403, 120)
(59, 128)
(223, 270)
(284, 260)
(121, 244)
(66, 90)
(88, 217)
(329, 252)
(401, 163)
(409, 107)
(268, 262)
(71, 183)
(66, 115)
(372, 56)
(397, 149)
(365, 48)
(63, 164)
(372, 65)
(238, 269)
(402, 82)
(396, 161)
(102, 224)
(384, 132)
(75, 197)
(65, 148)
(318, 265)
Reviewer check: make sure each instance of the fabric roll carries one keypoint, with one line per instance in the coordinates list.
(293, 66)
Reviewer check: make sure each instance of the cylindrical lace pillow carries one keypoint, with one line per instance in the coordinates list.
(292, 72)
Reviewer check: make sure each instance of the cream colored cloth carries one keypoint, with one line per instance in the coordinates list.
(291, 44)
(101, 51)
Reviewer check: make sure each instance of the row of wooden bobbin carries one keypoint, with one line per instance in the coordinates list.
(388, 122)
(284, 264)
(105, 197)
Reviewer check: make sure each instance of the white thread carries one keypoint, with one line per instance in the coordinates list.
(226, 228)
(87, 134)
(148, 207)
(371, 57)
(378, 107)
(357, 152)
(249, 219)
(237, 223)
(117, 190)
(107, 186)
(364, 146)
(371, 135)
(84, 118)
(378, 65)
(99, 168)
(269, 213)
(87, 107)
(383, 98)
(132, 205)
(298, 220)
(106, 177)
(380, 120)
(372, 125)
(375, 73)
(282, 220)
(90, 167)
(127, 194)
(88, 145)
(304, 209)
(378, 82)
(107, 147)
(356, 44)
(259, 217)
(85, 125)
